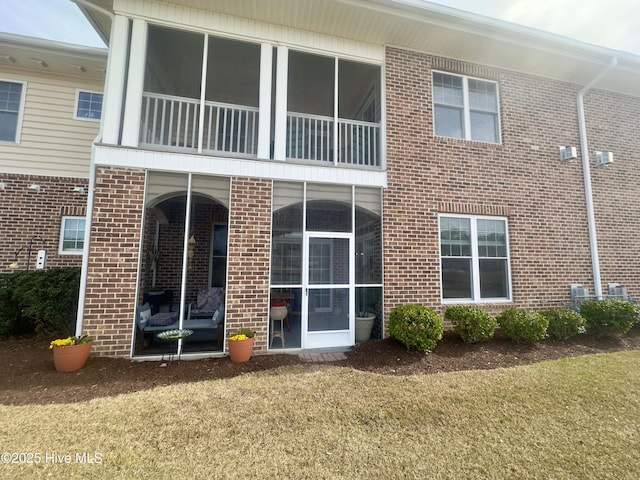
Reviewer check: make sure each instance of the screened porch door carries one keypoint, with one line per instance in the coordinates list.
(328, 299)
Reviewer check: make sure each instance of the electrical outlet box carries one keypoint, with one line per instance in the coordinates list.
(41, 260)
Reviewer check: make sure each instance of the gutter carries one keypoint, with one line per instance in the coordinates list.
(586, 172)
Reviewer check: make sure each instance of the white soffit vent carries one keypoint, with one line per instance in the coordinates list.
(567, 153)
(604, 159)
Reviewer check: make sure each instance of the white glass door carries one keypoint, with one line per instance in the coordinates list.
(328, 292)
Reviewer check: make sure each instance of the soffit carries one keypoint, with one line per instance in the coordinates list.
(437, 30)
(46, 56)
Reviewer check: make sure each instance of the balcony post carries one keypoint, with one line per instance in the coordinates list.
(280, 142)
(114, 82)
(135, 84)
(264, 119)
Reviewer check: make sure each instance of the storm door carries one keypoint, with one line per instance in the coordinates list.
(328, 290)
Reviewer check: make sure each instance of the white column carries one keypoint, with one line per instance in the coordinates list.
(203, 91)
(135, 84)
(282, 71)
(264, 122)
(114, 81)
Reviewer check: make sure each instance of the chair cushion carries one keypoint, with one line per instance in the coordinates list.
(162, 319)
(210, 299)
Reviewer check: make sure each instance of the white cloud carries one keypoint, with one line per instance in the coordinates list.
(614, 23)
(59, 20)
(611, 23)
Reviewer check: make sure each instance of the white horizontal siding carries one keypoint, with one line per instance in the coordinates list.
(52, 142)
(204, 21)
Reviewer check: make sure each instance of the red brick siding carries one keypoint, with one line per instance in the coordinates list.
(25, 214)
(522, 179)
(113, 259)
(612, 121)
(249, 255)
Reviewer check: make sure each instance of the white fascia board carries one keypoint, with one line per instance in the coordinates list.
(236, 167)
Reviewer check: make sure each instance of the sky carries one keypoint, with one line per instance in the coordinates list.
(608, 23)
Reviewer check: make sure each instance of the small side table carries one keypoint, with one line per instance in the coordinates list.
(177, 335)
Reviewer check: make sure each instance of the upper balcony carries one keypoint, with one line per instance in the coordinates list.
(329, 113)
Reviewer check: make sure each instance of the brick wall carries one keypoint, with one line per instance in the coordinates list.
(171, 245)
(521, 179)
(612, 121)
(27, 215)
(113, 259)
(249, 253)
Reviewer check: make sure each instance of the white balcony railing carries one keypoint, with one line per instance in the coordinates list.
(174, 122)
(310, 137)
(359, 143)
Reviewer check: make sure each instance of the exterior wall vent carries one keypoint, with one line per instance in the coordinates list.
(567, 153)
(604, 159)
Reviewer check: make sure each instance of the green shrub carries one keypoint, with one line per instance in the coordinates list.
(609, 317)
(416, 326)
(523, 326)
(40, 301)
(563, 323)
(471, 323)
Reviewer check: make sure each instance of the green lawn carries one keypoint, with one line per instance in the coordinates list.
(571, 419)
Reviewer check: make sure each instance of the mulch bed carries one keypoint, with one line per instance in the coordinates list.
(28, 375)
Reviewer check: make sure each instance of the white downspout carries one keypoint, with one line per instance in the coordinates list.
(586, 172)
(82, 291)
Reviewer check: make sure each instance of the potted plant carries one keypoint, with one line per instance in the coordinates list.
(365, 317)
(70, 354)
(241, 345)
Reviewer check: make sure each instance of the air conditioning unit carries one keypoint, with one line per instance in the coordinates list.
(567, 153)
(617, 290)
(604, 159)
(578, 294)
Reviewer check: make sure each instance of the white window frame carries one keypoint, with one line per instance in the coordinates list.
(20, 111)
(61, 250)
(475, 261)
(77, 103)
(466, 109)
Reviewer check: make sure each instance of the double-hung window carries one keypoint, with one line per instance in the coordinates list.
(474, 258)
(465, 108)
(88, 105)
(11, 106)
(72, 235)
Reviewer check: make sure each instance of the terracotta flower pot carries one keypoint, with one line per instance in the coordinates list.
(240, 351)
(72, 357)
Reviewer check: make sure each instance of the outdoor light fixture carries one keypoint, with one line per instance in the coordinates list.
(190, 251)
(79, 190)
(35, 188)
(39, 62)
(3, 185)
